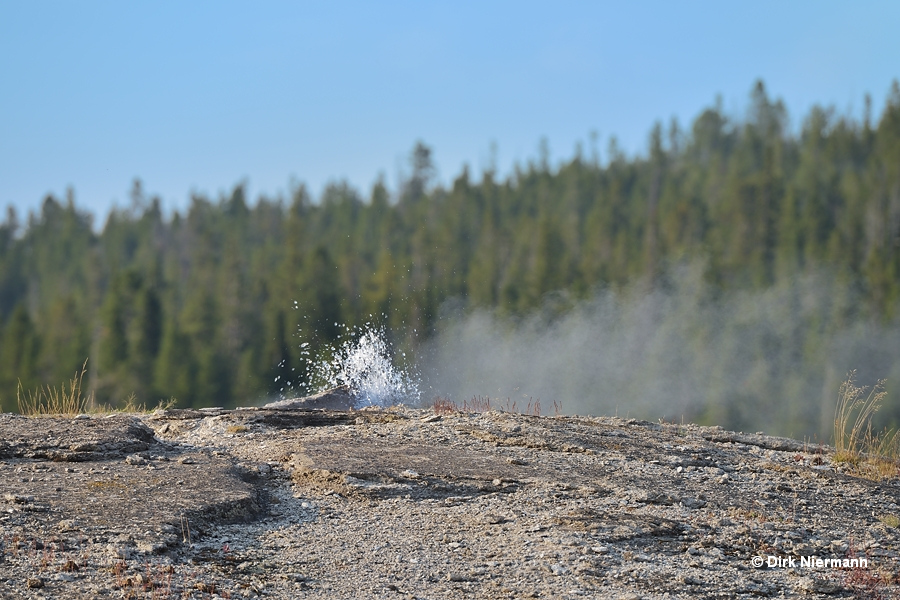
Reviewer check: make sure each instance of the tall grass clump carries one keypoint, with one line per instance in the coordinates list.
(67, 399)
(871, 454)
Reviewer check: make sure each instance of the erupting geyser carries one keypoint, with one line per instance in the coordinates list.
(363, 363)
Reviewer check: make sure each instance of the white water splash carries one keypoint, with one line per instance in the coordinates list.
(364, 364)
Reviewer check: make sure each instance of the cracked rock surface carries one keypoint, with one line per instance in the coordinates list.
(403, 503)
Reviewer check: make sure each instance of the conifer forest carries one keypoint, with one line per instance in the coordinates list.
(222, 303)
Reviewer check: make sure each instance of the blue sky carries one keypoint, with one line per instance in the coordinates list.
(197, 96)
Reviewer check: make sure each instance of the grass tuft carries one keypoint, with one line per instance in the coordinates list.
(869, 454)
(890, 520)
(133, 406)
(69, 400)
(63, 400)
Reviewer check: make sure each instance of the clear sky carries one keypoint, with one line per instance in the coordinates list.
(198, 96)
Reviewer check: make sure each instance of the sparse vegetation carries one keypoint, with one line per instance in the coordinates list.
(677, 430)
(869, 454)
(479, 404)
(869, 583)
(107, 485)
(133, 406)
(890, 520)
(63, 400)
(443, 406)
(69, 400)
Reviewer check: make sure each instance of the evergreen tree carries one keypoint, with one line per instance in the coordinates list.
(213, 304)
(18, 357)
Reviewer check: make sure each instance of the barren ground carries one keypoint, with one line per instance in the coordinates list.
(404, 503)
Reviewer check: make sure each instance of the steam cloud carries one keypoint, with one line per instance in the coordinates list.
(768, 360)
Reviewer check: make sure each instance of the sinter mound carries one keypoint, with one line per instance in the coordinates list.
(293, 501)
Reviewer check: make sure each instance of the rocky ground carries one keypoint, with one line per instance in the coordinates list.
(292, 502)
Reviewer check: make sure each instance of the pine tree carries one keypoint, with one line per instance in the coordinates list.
(18, 357)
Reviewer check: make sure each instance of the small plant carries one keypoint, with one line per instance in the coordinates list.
(867, 583)
(70, 566)
(673, 426)
(869, 454)
(185, 530)
(69, 400)
(853, 417)
(890, 520)
(64, 400)
(133, 406)
(477, 404)
(482, 404)
(509, 406)
(444, 406)
(106, 486)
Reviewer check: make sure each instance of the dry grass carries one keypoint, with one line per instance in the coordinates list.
(480, 404)
(445, 406)
(69, 400)
(890, 520)
(870, 454)
(133, 406)
(107, 486)
(62, 400)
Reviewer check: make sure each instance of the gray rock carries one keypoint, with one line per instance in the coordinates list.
(358, 503)
(339, 398)
(817, 585)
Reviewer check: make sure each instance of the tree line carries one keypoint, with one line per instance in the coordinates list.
(210, 305)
